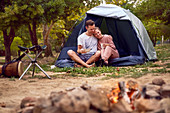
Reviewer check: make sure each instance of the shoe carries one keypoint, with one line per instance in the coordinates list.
(53, 66)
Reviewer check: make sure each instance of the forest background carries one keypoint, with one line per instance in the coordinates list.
(49, 22)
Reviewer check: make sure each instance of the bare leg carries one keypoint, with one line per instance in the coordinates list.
(77, 59)
(106, 53)
(94, 58)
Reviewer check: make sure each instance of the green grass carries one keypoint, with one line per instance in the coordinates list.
(163, 52)
(137, 71)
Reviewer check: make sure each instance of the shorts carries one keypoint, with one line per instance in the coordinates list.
(86, 56)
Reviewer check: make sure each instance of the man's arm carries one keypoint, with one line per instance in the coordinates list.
(81, 50)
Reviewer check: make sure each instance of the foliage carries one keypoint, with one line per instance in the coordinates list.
(127, 4)
(91, 3)
(17, 41)
(23, 33)
(66, 22)
(155, 14)
(1, 43)
(20, 12)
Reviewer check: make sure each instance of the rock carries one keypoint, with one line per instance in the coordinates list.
(88, 99)
(70, 88)
(41, 103)
(158, 111)
(28, 101)
(99, 100)
(146, 105)
(121, 107)
(165, 90)
(158, 81)
(51, 109)
(85, 86)
(28, 109)
(75, 101)
(153, 87)
(2, 104)
(132, 84)
(165, 104)
(152, 94)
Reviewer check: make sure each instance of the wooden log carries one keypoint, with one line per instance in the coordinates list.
(13, 69)
(0, 69)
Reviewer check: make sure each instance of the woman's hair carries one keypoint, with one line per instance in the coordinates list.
(97, 28)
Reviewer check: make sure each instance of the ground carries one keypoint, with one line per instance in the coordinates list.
(12, 90)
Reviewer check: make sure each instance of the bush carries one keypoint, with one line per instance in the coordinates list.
(14, 46)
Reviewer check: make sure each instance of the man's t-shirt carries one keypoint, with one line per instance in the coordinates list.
(87, 42)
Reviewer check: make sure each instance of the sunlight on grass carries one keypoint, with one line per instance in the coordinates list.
(117, 72)
(137, 71)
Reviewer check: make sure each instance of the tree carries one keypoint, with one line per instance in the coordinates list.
(127, 4)
(55, 11)
(155, 16)
(7, 26)
(16, 13)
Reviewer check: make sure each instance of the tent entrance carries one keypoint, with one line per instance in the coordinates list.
(123, 35)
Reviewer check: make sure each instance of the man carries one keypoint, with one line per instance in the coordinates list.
(106, 46)
(87, 47)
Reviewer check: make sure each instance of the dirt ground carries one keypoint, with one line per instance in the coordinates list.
(12, 91)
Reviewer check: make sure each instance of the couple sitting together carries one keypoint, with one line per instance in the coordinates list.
(92, 45)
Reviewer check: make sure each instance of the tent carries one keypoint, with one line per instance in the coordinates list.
(129, 35)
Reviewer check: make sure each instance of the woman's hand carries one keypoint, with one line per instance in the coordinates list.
(105, 44)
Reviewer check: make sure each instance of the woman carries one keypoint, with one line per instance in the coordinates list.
(106, 46)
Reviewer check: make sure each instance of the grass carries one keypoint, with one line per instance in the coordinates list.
(137, 71)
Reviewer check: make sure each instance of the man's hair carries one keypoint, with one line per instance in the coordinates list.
(89, 22)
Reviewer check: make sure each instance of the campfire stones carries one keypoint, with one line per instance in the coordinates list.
(165, 104)
(85, 86)
(28, 101)
(121, 107)
(152, 94)
(165, 91)
(88, 99)
(41, 104)
(158, 87)
(98, 100)
(132, 85)
(158, 81)
(153, 87)
(2, 104)
(145, 105)
(76, 101)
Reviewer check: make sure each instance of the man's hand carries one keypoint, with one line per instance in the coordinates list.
(84, 50)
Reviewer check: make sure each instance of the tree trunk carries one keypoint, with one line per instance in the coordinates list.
(33, 35)
(8, 39)
(46, 32)
(32, 32)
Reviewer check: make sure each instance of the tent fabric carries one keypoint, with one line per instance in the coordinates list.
(113, 11)
(129, 35)
(109, 10)
(127, 61)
